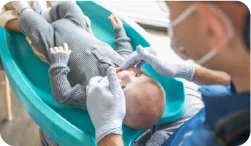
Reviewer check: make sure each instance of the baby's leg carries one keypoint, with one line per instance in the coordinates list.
(39, 31)
(41, 8)
(69, 10)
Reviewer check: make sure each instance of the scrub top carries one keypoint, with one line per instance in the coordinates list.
(225, 120)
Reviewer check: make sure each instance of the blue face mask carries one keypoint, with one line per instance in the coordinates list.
(184, 15)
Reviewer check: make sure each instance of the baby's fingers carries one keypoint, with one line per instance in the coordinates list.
(56, 49)
(116, 18)
(66, 47)
(87, 21)
(113, 22)
(52, 50)
(110, 17)
(60, 49)
(28, 40)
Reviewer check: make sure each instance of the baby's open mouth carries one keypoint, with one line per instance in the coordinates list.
(118, 70)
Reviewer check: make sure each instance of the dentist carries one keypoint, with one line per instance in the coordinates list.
(215, 35)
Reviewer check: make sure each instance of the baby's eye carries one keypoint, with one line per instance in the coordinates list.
(123, 86)
(138, 74)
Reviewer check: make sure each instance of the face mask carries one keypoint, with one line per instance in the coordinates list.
(188, 12)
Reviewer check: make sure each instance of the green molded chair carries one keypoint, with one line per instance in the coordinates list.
(66, 125)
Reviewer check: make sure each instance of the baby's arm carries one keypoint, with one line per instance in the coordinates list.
(61, 88)
(122, 41)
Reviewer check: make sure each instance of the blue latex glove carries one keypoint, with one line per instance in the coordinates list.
(166, 68)
(106, 104)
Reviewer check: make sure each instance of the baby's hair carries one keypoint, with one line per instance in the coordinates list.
(147, 107)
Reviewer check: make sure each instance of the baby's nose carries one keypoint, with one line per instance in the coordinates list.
(126, 75)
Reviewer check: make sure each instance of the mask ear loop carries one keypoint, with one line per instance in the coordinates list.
(189, 11)
(185, 14)
(230, 31)
(226, 20)
(206, 57)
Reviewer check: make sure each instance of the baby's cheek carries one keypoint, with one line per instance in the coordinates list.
(128, 101)
(127, 95)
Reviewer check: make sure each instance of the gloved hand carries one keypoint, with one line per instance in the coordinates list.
(106, 104)
(166, 68)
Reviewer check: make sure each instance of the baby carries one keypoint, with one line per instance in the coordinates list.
(71, 70)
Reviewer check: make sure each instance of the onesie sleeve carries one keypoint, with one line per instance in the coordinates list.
(61, 89)
(122, 42)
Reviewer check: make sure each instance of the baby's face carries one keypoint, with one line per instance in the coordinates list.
(131, 78)
(141, 93)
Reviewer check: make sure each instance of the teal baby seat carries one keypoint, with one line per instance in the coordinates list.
(66, 125)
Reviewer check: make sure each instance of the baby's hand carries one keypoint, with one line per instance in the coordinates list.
(60, 54)
(60, 49)
(88, 24)
(116, 22)
(37, 53)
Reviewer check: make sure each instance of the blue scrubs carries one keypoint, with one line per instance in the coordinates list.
(225, 114)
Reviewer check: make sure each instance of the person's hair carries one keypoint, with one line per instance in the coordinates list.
(147, 106)
(247, 32)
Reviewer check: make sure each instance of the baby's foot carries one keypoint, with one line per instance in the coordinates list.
(41, 8)
(56, 1)
(20, 6)
(46, 14)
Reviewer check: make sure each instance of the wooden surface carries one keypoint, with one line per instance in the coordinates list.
(21, 131)
(7, 97)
